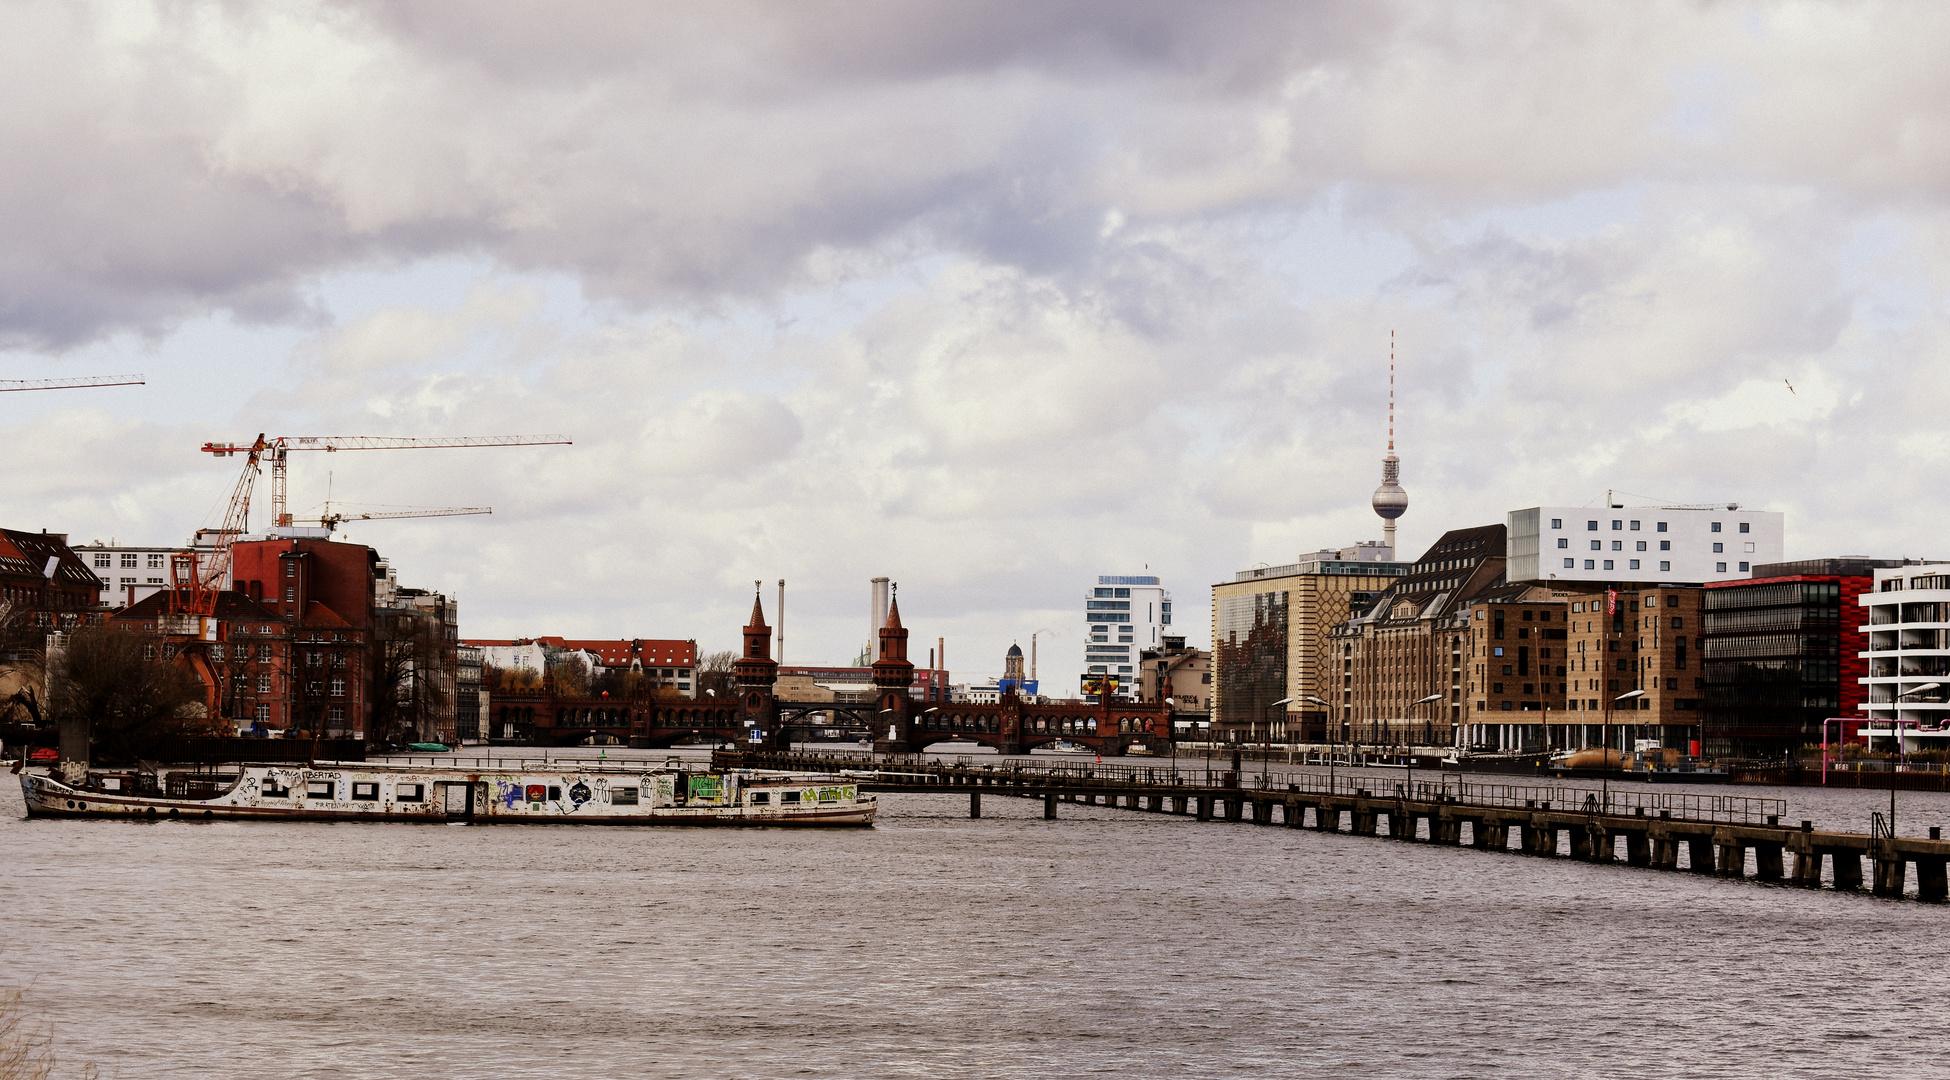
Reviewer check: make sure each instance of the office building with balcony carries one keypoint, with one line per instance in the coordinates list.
(1123, 614)
(1908, 654)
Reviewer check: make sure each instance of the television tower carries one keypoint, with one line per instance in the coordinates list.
(1390, 501)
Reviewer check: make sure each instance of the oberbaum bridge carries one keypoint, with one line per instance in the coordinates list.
(1725, 835)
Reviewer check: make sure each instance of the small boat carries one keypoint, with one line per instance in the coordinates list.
(428, 747)
(491, 793)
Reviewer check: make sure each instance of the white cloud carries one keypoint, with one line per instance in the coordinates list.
(991, 300)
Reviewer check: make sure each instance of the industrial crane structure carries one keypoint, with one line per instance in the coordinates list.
(331, 520)
(196, 581)
(70, 384)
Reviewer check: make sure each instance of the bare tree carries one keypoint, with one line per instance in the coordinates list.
(714, 672)
(23, 666)
(128, 687)
(409, 691)
(571, 675)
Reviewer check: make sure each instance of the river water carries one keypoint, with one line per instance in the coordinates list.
(1106, 943)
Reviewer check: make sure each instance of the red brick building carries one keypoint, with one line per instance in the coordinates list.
(323, 590)
(41, 575)
(241, 655)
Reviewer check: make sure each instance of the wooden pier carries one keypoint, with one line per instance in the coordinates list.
(1709, 834)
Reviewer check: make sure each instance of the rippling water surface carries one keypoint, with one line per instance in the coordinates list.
(1107, 943)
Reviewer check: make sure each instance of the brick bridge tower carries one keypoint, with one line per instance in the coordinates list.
(754, 675)
(892, 675)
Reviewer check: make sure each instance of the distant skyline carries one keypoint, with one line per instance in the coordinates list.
(990, 299)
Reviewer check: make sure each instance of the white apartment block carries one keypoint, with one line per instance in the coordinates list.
(130, 572)
(1909, 651)
(1122, 616)
(1690, 545)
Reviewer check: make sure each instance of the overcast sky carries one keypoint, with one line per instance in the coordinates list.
(987, 298)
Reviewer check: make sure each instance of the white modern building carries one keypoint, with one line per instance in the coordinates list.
(1909, 654)
(132, 572)
(1691, 545)
(1122, 616)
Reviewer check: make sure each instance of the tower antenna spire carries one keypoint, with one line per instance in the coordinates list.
(1390, 501)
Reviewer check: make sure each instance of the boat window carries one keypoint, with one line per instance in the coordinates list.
(410, 792)
(320, 789)
(554, 793)
(111, 783)
(536, 792)
(761, 798)
(622, 796)
(365, 791)
(272, 789)
(788, 797)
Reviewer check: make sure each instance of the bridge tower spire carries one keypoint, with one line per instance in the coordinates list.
(756, 672)
(893, 674)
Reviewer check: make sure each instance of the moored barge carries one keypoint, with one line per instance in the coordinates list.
(493, 793)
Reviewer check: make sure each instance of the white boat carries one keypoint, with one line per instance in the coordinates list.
(491, 793)
(1061, 747)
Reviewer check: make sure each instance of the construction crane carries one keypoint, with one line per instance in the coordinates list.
(70, 384)
(276, 449)
(331, 520)
(195, 580)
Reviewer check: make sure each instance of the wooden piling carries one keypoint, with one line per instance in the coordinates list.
(1049, 808)
(1932, 883)
(1848, 869)
(1205, 808)
(1767, 862)
(1699, 854)
(975, 804)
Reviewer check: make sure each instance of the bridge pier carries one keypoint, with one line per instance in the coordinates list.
(1767, 862)
(1733, 859)
(1489, 836)
(1364, 821)
(1932, 881)
(1890, 875)
(1638, 849)
(1445, 830)
(1327, 818)
(1539, 839)
(1848, 869)
(1049, 807)
(1178, 804)
(1234, 808)
(975, 804)
(1584, 843)
(1807, 869)
(1293, 814)
(1205, 808)
(1665, 853)
(1699, 854)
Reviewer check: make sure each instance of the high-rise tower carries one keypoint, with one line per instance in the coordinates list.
(1390, 501)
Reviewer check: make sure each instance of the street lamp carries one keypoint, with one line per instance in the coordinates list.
(1606, 766)
(1330, 753)
(1410, 759)
(1268, 711)
(1895, 729)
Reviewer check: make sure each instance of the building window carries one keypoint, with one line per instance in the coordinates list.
(1743, 526)
(1665, 545)
(1634, 564)
(1569, 563)
(155, 562)
(1635, 526)
(1597, 545)
(1618, 545)
(1641, 546)
(264, 652)
(263, 682)
(1563, 541)
(1557, 523)
(290, 593)
(1496, 688)
(1591, 525)
(263, 714)
(101, 562)
(1664, 565)
(1718, 548)
(1588, 565)
(1608, 565)
(128, 561)
(1616, 524)
(1662, 526)
(1720, 568)
(1716, 526)
(1743, 566)
(1678, 622)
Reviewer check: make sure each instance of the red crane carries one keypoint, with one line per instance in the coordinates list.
(196, 581)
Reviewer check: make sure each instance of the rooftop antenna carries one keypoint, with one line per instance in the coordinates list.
(1390, 501)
